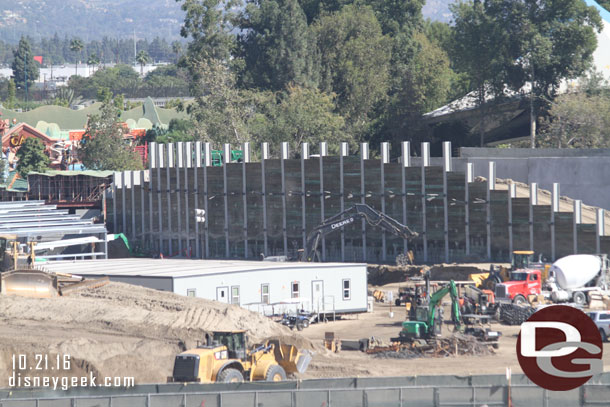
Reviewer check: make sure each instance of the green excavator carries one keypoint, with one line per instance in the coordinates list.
(426, 325)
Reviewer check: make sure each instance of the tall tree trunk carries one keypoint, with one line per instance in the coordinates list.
(482, 115)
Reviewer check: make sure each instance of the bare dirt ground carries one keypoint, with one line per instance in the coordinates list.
(124, 330)
(120, 330)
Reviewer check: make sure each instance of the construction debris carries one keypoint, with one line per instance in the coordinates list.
(456, 344)
(512, 314)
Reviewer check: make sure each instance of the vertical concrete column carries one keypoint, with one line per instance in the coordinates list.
(179, 212)
(153, 163)
(512, 193)
(364, 155)
(469, 179)
(600, 229)
(170, 212)
(577, 220)
(226, 159)
(304, 156)
(115, 181)
(405, 160)
(554, 208)
(188, 161)
(425, 162)
(207, 162)
(244, 193)
(133, 177)
(196, 197)
(344, 153)
(161, 162)
(491, 186)
(533, 201)
(385, 158)
(284, 157)
(144, 175)
(323, 153)
(264, 156)
(447, 167)
(124, 202)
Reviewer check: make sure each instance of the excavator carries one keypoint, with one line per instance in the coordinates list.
(347, 217)
(226, 357)
(427, 324)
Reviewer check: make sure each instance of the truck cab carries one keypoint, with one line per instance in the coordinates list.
(521, 284)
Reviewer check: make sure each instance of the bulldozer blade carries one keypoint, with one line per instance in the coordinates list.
(28, 283)
(98, 282)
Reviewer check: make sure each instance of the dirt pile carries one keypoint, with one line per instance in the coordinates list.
(121, 329)
(381, 274)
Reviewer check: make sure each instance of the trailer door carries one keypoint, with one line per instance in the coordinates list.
(222, 294)
(317, 295)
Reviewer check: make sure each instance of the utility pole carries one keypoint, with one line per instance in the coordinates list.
(134, 46)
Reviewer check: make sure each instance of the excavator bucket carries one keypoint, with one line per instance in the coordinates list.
(28, 283)
(291, 358)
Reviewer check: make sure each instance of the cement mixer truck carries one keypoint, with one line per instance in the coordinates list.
(570, 279)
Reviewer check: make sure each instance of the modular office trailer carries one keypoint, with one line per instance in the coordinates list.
(257, 285)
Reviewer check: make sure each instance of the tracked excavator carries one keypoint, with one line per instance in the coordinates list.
(347, 217)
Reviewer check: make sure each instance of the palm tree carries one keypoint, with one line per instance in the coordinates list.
(76, 46)
(142, 58)
(93, 60)
(177, 49)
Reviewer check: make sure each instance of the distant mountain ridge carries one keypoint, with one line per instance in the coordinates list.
(90, 19)
(94, 19)
(438, 10)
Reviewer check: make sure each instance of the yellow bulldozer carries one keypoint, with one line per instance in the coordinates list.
(226, 357)
(17, 273)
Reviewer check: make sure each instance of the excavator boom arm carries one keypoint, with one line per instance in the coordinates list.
(349, 216)
(437, 297)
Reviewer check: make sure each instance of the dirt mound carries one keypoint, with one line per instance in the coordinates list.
(121, 329)
(380, 274)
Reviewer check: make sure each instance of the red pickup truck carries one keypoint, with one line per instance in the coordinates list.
(521, 284)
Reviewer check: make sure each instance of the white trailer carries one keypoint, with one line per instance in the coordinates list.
(319, 287)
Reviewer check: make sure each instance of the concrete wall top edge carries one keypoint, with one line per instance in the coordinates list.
(489, 152)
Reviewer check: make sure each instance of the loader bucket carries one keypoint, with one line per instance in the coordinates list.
(291, 358)
(28, 283)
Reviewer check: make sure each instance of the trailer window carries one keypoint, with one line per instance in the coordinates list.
(265, 293)
(347, 289)
(235, 294)
(295, 290)
(191, 292)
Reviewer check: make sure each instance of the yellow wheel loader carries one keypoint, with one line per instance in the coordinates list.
(225, 357)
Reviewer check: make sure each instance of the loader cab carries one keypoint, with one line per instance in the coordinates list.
(236, 343)
(522, 259)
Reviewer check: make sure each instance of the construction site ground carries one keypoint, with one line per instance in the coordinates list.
(124, 330)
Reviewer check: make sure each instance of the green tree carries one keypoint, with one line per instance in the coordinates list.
(76, 46)
(177, 50)
(355, 62)
(539, 43)
(577, 120)
(11, 94)
(220, 110)
(25, 69)
(103, 146)
(93, 60)
(142, 59)
(32, 157)
(478, 49)
(278, 48)
(299, 115)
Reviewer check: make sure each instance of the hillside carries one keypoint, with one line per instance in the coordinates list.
(90, 19)
(438, 10)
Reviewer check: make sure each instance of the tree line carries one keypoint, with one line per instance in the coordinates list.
(59, 51)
